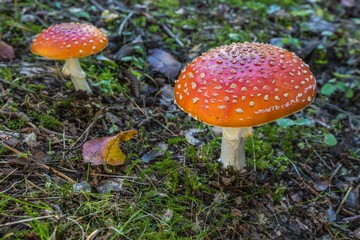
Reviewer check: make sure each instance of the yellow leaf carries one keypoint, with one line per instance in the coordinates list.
(107, 149)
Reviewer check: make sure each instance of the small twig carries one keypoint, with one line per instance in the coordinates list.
(19, 115)
(146, 176)
(2, 89)
(351, 219)
(342, 228)
(334, 107)
(114, 176)
(347, 212)
(85, 134)
(336, 171)
(60, 174)
(8, 175)
(322, 159)
(293, 164)
(295, 168)
(121, 6)
(26, 220)
(321, 123)
(96, 4)
(344, 199)
(122, 25)
(135, 104)
(4, 106)
(35, 186)
(92, 234)
(55, 133)
(305, 186)
(171, 34)
(353, 158)
(79, 225)
(14, 85)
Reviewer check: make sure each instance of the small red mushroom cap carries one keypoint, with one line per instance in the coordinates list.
(244, 85)
(69, 40)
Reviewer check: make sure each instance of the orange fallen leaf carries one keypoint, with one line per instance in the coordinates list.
(106, 150)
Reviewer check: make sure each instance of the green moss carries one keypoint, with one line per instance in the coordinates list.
(175, 140)
(278, 193)
(272, 147)
(15, 124)
(3, 150)
(47, 120)
(168, 169)
(36, 87)
(6, 73)
(50, 122)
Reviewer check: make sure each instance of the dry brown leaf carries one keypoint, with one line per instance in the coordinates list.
(129, 49)
(133, 81)
(6, 51)
(348, 3)
(106, 150)
(164, 62)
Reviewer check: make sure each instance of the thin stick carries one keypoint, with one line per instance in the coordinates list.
(122, 25)
(26, 220)
(60, 174)
(8, 175)
(171, 34)
(336, 170)
(352, 219)
(91, 235)
(341, 228)
(101, 8)
(321, 158)
(353, 158)
(79, 225)
(344, 199)
(55, 133)
(20, 115)
(85, 134)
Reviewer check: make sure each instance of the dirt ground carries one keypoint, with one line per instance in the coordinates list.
(303, 174)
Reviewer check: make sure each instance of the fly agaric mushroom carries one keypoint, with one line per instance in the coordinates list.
(69, 42)
(240, 86)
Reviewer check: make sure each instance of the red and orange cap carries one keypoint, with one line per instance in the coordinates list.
(244, 85)
(69, 40)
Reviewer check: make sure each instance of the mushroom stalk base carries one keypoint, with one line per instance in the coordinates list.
(73, 69)
(233, 147)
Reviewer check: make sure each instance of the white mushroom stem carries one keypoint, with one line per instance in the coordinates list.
(233, 147)
(73, 69)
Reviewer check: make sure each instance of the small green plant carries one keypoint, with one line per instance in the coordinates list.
(6, 73)
(330, 139)
(106, 79)
(41, 229)
(278, 193)
(334, 85)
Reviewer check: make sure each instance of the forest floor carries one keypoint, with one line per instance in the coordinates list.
(303, 174)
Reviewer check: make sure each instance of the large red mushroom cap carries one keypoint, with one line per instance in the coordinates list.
(69, 40)
(244, 85)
